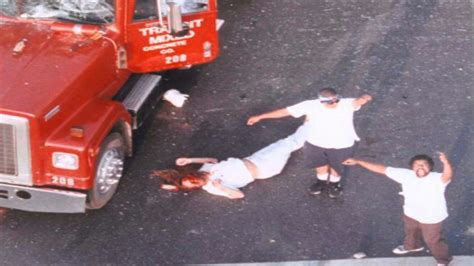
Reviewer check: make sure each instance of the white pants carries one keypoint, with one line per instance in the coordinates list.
(271, 160)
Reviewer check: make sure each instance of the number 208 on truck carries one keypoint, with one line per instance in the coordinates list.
(76, 81)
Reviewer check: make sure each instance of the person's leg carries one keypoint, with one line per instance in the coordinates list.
(271, 160)
(334, 175)
(337, 169)
(336, 157)
(432, 234)
(322, 171)
(412, 241)
(322, 174)
(412, 234)
(315, 158)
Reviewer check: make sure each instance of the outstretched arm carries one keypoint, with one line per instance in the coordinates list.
(362, 100)
(374, 167)
(270, 115)
(447, 168)
(227, 192)
(184, 161)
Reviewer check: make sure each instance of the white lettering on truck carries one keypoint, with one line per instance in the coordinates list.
(165, 42)
(167, 38)
(155, 30)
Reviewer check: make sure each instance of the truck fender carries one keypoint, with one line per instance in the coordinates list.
(95, 121)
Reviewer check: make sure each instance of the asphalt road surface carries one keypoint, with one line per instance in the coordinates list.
(414, 57)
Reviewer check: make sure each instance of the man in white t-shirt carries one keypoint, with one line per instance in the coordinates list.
(331, 135)
(425, 204)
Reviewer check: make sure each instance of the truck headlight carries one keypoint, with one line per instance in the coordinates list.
(64, 160)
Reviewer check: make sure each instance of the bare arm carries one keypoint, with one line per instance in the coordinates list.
(184, 161)
(373, 167)
(447, 168)
(270, 115)
(362, 100)
(228, 192)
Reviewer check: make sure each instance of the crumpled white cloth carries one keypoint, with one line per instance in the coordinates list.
(175, 97)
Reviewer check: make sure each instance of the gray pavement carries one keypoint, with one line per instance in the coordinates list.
(414, 57)
(405, 261)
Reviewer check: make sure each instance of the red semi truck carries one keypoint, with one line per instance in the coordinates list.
(75, 77)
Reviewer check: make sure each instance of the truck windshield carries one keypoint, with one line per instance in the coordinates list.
(77, 11)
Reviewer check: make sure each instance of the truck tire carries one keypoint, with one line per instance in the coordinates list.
(108, 172)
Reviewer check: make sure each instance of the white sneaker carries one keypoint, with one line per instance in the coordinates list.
(400, 250)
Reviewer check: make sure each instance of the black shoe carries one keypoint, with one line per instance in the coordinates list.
(317, 187)
(334, 190)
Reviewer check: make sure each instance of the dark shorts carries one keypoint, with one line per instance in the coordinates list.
(315, 156)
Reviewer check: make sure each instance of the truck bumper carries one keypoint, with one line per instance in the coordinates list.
(41, 199)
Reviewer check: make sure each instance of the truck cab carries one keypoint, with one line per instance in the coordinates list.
(74, 80)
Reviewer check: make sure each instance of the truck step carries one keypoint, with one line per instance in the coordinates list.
(140, 92)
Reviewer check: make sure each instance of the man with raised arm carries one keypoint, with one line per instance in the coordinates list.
(331, 135)
(424, 205)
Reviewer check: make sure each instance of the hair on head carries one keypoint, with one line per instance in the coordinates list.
(327, 92)
(422, 157)
(175, 178)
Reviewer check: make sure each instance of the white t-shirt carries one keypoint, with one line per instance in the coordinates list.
(424, 197)
(231, 172)
(328, 128)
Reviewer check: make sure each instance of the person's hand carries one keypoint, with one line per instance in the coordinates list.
(366, 97)
(442, 157)
(183, 161)
(362, 100)
(350, 161)
(169, 187)
(253, 120)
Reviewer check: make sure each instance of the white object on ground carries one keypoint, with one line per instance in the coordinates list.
(175, 97)
(359, 255)
(219, 23)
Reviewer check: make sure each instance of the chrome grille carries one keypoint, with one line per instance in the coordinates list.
(8, 163)
(15, 154)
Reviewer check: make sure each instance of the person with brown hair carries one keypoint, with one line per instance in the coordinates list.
(225, 178)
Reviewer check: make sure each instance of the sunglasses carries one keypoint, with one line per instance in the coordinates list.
(329, 100)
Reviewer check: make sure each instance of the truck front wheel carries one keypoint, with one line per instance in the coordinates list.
(108, 172)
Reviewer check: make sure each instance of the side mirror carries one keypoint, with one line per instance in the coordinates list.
(175, 21)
